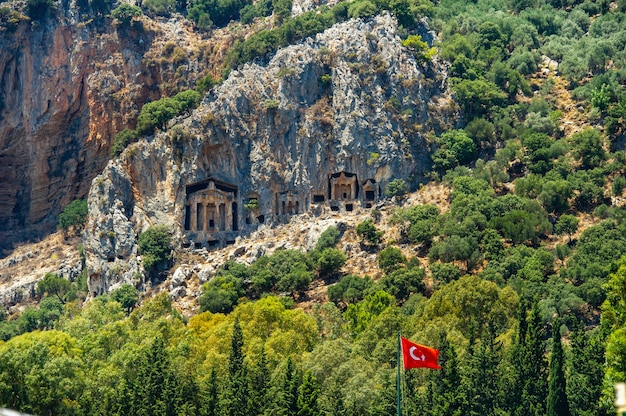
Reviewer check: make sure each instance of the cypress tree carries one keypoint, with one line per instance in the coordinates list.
(260, 379)
(557, 399)
(584, 385)
(290, 389)
(307, 398)
(481, 380)
(235, 401)
(210, 397)
(530, 367)
(445, 391)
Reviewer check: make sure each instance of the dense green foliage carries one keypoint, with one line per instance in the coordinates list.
(125, 13)
(74, 215)
(156, 114)
(155, 246)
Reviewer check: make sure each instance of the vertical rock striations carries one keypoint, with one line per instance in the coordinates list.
(66, 88)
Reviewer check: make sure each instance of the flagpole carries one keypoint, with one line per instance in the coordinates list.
(398, 379)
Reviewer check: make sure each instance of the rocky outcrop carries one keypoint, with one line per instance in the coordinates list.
(323, 125)
(66, 88)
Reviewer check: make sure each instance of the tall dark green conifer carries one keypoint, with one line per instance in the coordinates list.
(290, 389)
(260, 379)
(584, 384)
(155, 387)
(445, 394)
(557, 399)
(307, 397)
(235, 398)
(481, 379)
(210, 397)
(530, 366)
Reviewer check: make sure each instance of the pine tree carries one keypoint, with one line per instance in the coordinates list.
(290, 389)
(235, 399)
(260, 379)
(557, 399)
(210, 397)
(445, 395)
(530, 365)
(154, 388)
(584, 384)
(307, 397)
(481, 379)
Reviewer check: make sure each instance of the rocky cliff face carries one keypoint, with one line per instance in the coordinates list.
(63, 96)
(323, 126)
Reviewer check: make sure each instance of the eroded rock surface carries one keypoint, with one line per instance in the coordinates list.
(324, 125)
(66, 88)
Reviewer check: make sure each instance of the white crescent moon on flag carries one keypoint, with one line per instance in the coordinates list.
(411, 353)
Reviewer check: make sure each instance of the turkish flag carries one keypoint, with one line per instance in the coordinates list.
(418, 356)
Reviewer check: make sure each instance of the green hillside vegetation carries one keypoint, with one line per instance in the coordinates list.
(520, 283)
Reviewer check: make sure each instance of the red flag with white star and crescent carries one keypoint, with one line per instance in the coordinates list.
(418, 356)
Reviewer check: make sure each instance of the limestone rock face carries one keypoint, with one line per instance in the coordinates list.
(66, 88)
(323, 125)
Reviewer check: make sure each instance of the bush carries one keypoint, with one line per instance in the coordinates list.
(404, 282)
(285, 271)
(368, 232)
(122, 140)
(154, 244)
(328, 239)
(397, 187)
(363, 8)
(160, 7)
(330, 261)
(125, 13)
(221, 294)
(455, 148)
(444, 272)
(419, 48)
(53, 285)
(10, 19)
(350, 289)
(74, 215)
(188, 100)
(206, 83)
(390, 259)
(271, 104)
(156, 114)
(127, 295)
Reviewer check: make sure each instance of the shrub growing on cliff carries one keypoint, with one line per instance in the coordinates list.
(74, 215)
(187, 100)
(328, 239)
(206, 83)
(122, 140)
(154, 244)
(160, 7)
(397, 187)
(125, 13)
(368, 232)
(419, 48)
(157, 113)
(9, 20)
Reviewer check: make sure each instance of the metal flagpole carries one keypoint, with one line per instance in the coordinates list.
(398, 380)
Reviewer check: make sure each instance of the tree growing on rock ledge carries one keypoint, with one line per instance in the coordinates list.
(74, 216)
(155, 246)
